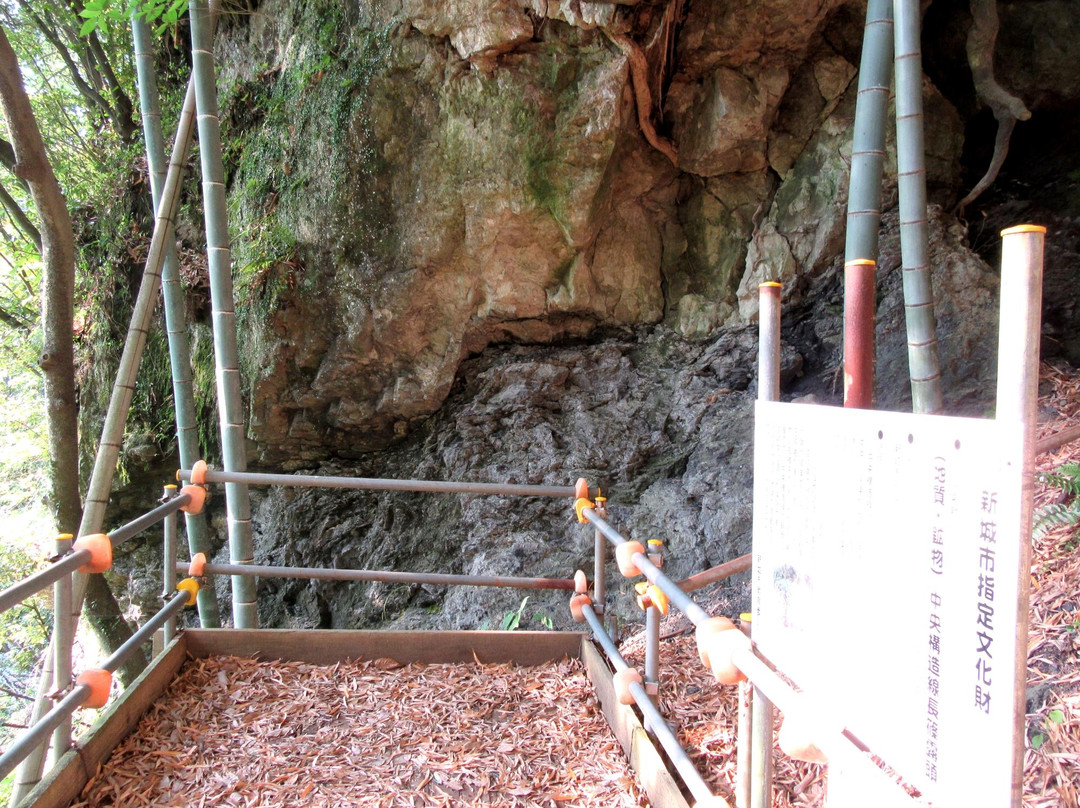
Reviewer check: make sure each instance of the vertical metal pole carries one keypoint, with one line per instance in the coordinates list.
(924, 368)
(169, 577)
(600, 544)
(761, 740)
(63, 629)
(230, 411)
(655, 553)
(864, 203)
(1017, 400)
(173, 296)
(745, 730)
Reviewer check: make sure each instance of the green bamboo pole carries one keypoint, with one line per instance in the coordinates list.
(187, 434)
(864, 203)
(230, 412)
(923, 363)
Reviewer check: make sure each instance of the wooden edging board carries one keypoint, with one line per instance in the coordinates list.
(325, 647)
(662, 789)
(74, 770)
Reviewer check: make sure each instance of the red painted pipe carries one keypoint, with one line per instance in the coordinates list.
(859, 333)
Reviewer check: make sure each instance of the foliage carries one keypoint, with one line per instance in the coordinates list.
(1066, 479)
(511, 621)
(1039, 737)
(96, 13)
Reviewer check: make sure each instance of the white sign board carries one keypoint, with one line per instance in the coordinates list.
(886, 551)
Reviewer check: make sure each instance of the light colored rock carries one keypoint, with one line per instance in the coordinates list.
(478, 29)
(722, 122)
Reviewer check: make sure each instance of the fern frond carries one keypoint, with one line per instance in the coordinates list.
(1056, 515)
(1065, 478)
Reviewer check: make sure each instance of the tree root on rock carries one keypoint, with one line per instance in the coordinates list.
(1007, 108)
(639, 78)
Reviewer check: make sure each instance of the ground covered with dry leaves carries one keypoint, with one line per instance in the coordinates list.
(237, 732)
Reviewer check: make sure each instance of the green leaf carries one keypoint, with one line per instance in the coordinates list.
(1056, 717)
(1037, 740)
(89, 26)
(544, 620)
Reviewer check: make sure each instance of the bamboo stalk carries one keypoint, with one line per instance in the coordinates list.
(187, 434)
(226, 354)
(864, 203)
(924, 368)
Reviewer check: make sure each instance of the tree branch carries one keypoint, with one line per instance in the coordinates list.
(639, 78)
(22, 221)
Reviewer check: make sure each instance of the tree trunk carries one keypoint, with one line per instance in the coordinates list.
(57, 359)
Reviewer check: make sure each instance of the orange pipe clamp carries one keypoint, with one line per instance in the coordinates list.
(576, 603)
(100, 548)
(579, 505)
(197, 565)
(581, 488)
(622, 681)
(581, 583)
(795, 739)
(651, 595)
(99, 681)
(191, 586)
(717, 638)
(624, 556)
(198, 498)
(198, 472)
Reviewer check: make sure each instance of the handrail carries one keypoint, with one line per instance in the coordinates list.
(40, 731)
(389, 576)
(31, 585)
(378, 484)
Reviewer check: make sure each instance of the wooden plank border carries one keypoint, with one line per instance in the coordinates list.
(325, 647)
(659, 784)
(73, 771)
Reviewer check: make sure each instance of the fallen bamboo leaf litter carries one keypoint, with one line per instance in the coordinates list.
(238, 731)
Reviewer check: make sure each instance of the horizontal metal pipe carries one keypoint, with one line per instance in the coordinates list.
(372, 484)
(1055, 442)
(683, 602)
(434, 578)
(31, 585)
(148, 519)
(39, 733)
(653, 719)
(144, 634)
(717, 573)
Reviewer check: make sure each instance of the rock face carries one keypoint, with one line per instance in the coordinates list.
(459, 257)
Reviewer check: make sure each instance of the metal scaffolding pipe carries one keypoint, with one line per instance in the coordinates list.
(35, 737)
(148, 519)
(924, 367)
(715, 574)
(653, 719)
(62, 639)
(172, 293)
(223, 314)
(40, 730)
(68, 564)
(376, 484)
(171, 538)
(387, 576)
(1017, 400)
(32, 584)
(599, 560)
(146, 633)
(679, 599)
